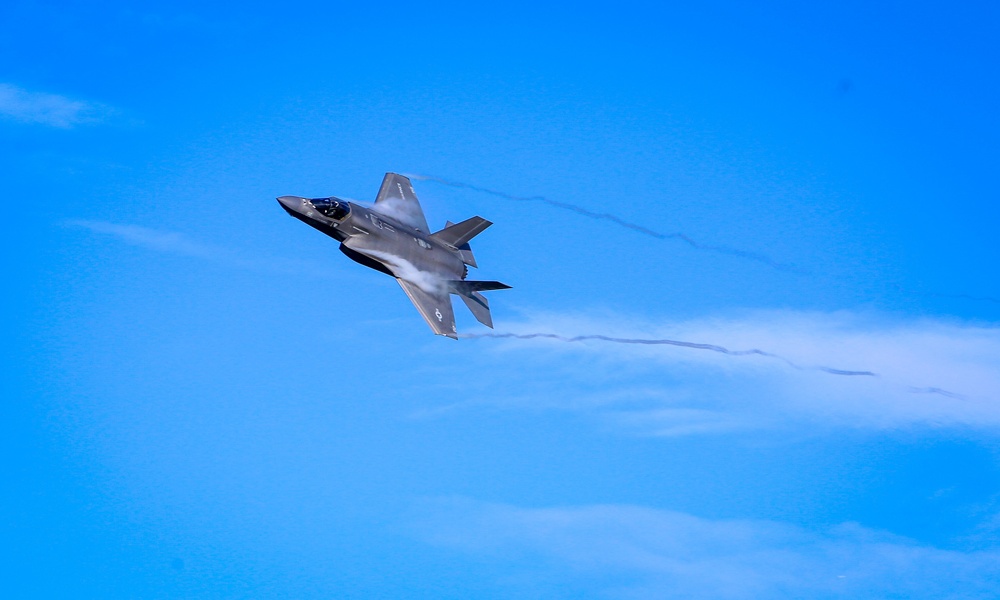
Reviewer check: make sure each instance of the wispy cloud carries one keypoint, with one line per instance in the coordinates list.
(990, 299)
(177, 243)
(719, 374)
(632, 551)
(48, 109)
(154, 239)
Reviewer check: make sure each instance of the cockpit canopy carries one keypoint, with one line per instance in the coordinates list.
(335, 208)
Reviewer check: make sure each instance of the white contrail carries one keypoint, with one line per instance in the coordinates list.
(708, 347)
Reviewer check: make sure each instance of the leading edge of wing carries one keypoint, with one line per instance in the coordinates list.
(434, 308)
(397, 200)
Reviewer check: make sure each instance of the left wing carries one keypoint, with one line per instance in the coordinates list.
(435, 308)
(396, 199)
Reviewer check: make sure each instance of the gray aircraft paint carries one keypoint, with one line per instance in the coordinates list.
(393, 237)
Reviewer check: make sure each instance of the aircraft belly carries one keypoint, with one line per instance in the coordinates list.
(402, 253)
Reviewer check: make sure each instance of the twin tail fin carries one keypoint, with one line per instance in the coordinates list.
(458, 235)
(478, 305)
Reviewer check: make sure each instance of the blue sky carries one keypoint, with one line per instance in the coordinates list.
(204, 398)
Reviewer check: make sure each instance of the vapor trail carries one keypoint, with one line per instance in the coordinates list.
(708, 347)
(667, 342)
(935, 390)
(616, 220)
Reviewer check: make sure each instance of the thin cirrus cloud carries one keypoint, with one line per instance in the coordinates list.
(716, 375)
(721, 374)
(180, 244)
(42, 108)
(634, 551)
(163, 241)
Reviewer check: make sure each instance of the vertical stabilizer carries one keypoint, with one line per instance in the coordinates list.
(469, 292)
(479, 306)
(464, 250)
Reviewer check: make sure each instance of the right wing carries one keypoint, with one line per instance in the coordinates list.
(434, 308)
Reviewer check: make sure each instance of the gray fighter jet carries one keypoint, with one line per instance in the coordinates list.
(392, 237)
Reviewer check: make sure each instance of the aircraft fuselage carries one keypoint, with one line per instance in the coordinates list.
(393, 237)
(378, 241)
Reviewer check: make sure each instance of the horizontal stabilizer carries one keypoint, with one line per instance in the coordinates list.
(464, 288)
(459, 234)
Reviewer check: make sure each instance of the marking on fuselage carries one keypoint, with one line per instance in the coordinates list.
(382, 224)
(437, 313)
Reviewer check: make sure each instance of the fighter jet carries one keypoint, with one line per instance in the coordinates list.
(392, 237)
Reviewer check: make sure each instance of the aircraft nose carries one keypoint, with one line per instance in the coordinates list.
(290, 202)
